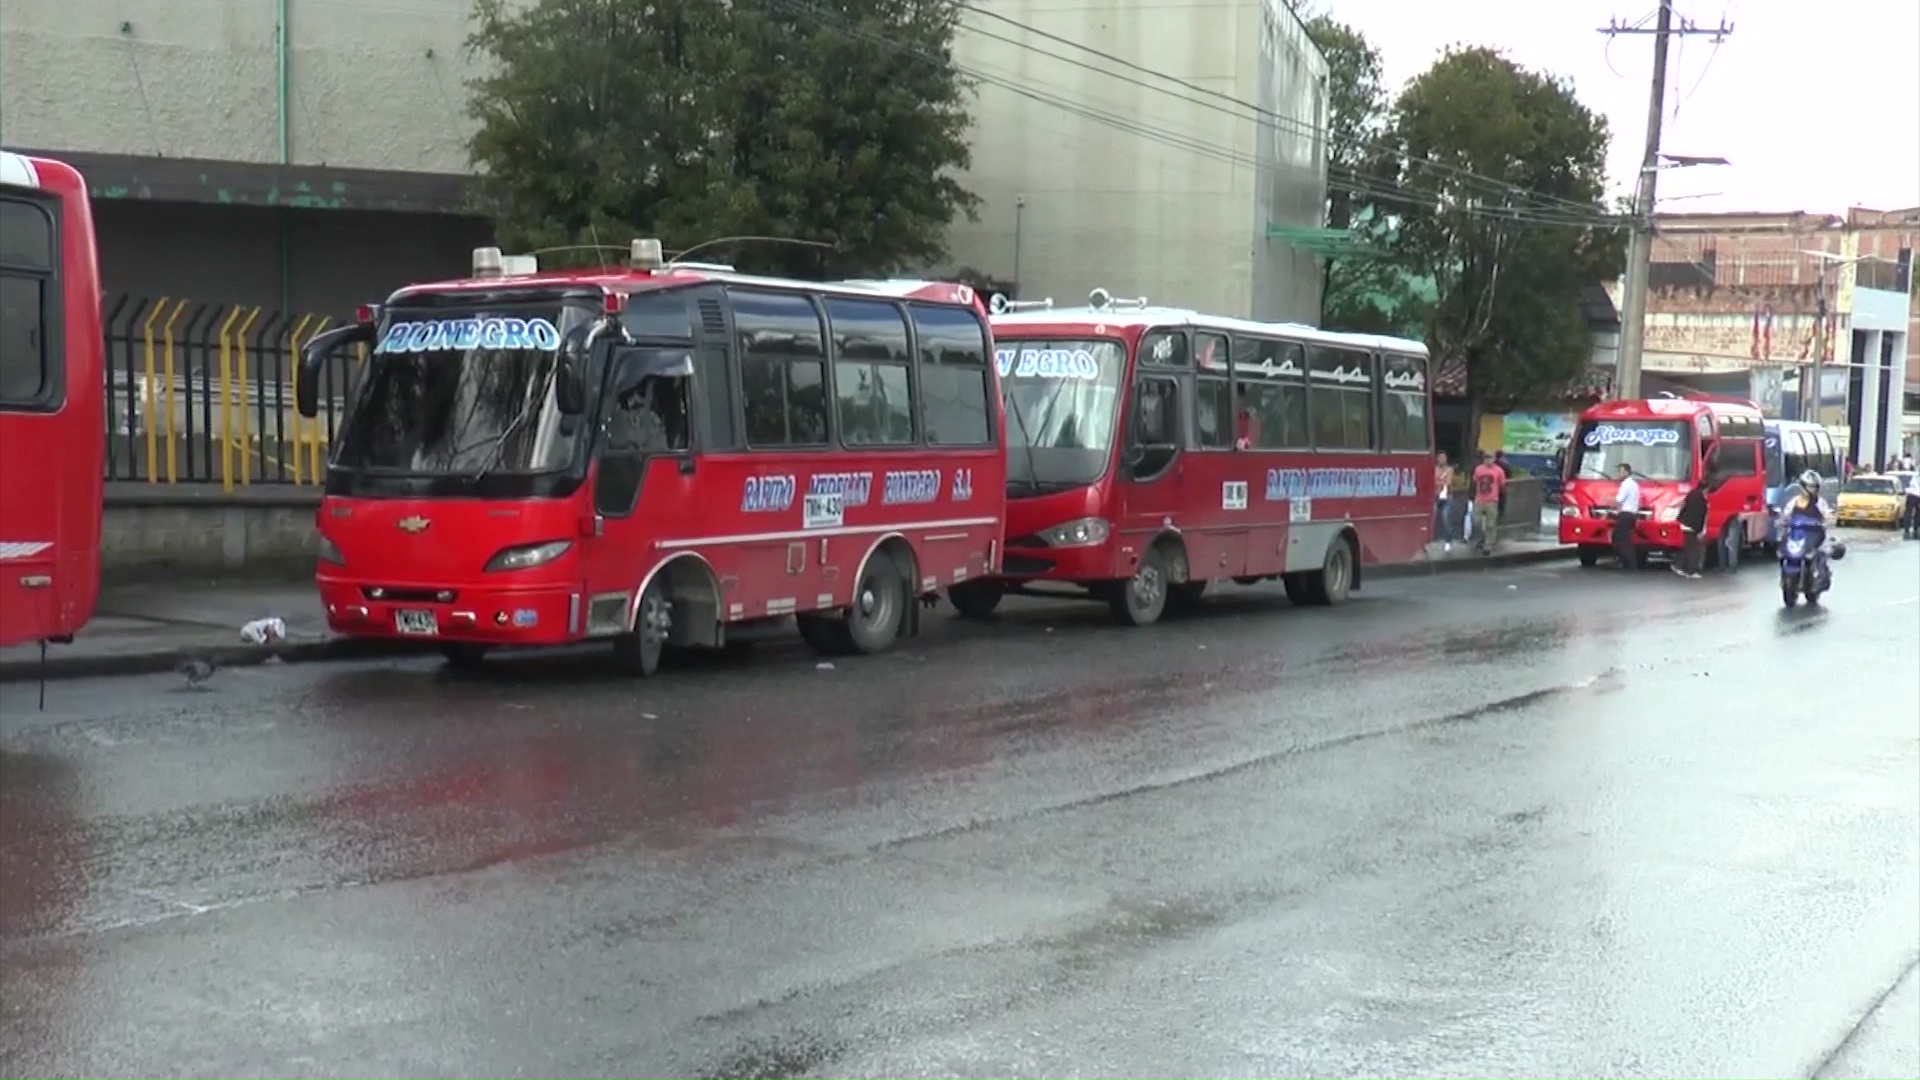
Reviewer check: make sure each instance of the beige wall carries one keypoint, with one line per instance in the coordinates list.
(1178, 214)
(375, 84)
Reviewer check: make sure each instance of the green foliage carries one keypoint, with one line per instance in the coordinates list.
(829, 120)
(1357, 112)
(1510, 266)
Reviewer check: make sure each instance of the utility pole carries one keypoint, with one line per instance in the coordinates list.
(1810, 377)
(1633, 320)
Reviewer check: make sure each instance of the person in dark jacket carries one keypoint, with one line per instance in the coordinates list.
(1693, 522)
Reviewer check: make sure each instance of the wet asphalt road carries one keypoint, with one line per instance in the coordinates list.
(1537, 822)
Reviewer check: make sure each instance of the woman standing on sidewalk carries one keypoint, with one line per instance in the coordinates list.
(1442, 497)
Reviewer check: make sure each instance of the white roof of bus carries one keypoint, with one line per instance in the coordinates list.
(1169, 316)
(18, 170)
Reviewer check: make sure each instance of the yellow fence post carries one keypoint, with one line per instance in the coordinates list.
(226, 401)
(316, 470)
(246, 417)
(293, 370)
(146, 398)
(173, 450)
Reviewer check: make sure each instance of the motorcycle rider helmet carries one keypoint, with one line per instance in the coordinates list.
(1810, 482)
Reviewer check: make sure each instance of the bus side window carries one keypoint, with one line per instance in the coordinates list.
(646, 414)
(954, 388)
(783, 369)
(1154, 435)
(1342, 400)
(1403, 407)
(872, 384)
(29, 378)
(1214, 399)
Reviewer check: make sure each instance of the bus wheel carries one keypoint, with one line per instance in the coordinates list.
(1590, 554)
(464, 655)
(1142, 598)
(1731, 537)
(1329, 584)
(879, 606)
(1296, 587)
(976, 599)
(638, 651)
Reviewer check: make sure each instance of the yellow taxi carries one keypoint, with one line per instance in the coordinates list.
(1870, 499)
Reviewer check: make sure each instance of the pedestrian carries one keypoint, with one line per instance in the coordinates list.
(1506, 468)
(1912, 514)
(1693, 522)
(1489, 485)
(1626, 515)
(1442, 500)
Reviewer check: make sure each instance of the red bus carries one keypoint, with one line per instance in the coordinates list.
(52, 409)
(654, 454)
(1672, 445)
(1152, 451)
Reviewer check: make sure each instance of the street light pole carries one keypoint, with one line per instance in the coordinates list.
(1810, 397)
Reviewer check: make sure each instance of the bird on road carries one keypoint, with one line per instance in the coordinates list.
(197, 671)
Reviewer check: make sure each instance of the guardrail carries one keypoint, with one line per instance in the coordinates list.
(203, 392)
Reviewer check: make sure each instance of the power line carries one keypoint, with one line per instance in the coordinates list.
(1338, 179)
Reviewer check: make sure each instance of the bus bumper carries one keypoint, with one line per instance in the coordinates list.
(1599, 530)
(1019, 565)
(527, 615)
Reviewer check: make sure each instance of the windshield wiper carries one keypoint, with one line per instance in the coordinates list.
(1026, 436)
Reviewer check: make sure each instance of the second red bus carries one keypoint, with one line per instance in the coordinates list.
(1153, 451)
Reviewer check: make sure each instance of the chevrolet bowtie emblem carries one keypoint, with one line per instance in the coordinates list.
(414, 524)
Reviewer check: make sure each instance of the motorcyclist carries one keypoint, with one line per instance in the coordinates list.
(1805, 498)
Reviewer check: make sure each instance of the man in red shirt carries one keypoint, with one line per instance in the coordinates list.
(1489, 484)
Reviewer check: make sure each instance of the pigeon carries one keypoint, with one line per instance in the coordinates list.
(197, 672)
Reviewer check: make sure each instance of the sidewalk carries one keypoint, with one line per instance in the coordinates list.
(151, 626)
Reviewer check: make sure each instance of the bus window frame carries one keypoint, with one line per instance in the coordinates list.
(1227, 421)
(1382, 361)
(917, 440)
(830, 436)
(53, 307)
(1253, 376)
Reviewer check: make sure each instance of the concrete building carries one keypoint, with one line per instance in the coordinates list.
(308, 155)
(1094, 170)
(297, 154)
(1735, 304)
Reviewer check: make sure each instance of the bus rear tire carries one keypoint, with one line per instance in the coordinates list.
(1330, 584)
(1142, 599)
(879, 609)
(976, 599)
(1590, 554)
(638, 651)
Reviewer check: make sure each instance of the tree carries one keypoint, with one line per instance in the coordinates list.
(1510, 253)
(1366, 289)
(822, 120)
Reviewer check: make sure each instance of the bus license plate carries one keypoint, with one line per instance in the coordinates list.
(415, 622)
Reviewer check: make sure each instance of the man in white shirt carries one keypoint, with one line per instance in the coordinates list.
(1913, 507)
(1626, 514)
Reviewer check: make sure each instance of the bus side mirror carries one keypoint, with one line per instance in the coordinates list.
(313, 355)
(568, 395)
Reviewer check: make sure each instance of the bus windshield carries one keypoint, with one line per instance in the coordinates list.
(1062, 397)
(463, 393)
(1657, 449)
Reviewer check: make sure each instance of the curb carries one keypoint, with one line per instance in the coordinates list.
(1460, 566)
(160, 660)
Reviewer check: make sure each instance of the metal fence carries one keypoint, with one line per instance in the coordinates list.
(203, 392)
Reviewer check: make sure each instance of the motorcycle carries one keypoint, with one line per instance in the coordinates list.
(1805, 566)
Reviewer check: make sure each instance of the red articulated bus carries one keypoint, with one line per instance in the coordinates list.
(52, 411)
(1672, 445)
(1151, 451)
(653, 454)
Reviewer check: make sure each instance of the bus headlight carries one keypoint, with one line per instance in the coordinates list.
(528, 555)
(329, 553)
(1083, 532)
(1671, 513)
(1569, 510)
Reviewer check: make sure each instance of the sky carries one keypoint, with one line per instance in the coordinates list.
(1815, 104)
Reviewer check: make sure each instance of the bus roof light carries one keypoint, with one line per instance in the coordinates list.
(486, 262)
(519, 265)
(645, 254)
(366, 314)
(1102, 300)
(612, 302)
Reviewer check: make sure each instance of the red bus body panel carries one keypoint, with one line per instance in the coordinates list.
(430, 554)
(1739, 502)
(51, 460)
(1265, 537)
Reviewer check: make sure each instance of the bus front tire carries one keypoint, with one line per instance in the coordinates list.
(1141, 599)
(464, 655)
(976, 599)
(638, 651)
(1590, 554)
